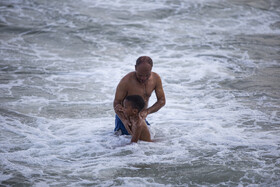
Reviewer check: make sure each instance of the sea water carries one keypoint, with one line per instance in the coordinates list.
(61, 61)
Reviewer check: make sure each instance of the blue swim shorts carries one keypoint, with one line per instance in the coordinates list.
(120, 126)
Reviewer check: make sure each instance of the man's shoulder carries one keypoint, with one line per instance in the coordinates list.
(130, 74)
(155, 76)
(127, 77)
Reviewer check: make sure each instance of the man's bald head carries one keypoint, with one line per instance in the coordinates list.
(144, 59)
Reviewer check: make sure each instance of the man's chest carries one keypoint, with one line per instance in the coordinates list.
(144, 90)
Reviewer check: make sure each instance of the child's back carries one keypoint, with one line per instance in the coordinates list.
(140, 131)
(145, 133)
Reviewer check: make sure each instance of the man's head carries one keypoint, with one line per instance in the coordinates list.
(143, 68)
(133, 104)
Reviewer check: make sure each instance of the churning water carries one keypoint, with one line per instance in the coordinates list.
(61, 61)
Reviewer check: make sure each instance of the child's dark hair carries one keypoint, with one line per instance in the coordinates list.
(137, 101)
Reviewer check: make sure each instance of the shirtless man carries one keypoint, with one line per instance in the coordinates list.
(140, 82)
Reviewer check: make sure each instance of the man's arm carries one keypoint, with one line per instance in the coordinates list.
(119, 97)
(160, 98)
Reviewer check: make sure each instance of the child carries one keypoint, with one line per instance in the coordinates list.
(134, 123)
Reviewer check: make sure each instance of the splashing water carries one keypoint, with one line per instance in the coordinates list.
(62, 60)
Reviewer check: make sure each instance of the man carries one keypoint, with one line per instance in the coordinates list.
(140, 82)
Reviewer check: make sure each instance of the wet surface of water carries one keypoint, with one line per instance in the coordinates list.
(61, 62)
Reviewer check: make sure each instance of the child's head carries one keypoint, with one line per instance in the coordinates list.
(133, 104)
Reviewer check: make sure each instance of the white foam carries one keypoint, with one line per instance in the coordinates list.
(57, 118)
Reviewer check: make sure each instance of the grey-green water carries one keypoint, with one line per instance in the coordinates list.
(220, 66)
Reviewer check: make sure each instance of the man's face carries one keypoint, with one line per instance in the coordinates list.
(143, 72)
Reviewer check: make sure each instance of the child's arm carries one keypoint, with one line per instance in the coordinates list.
(137, 129)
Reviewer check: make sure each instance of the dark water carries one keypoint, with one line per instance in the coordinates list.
(220, 66)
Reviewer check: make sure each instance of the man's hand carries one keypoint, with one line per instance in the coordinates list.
(144, 114)
(119, 108)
